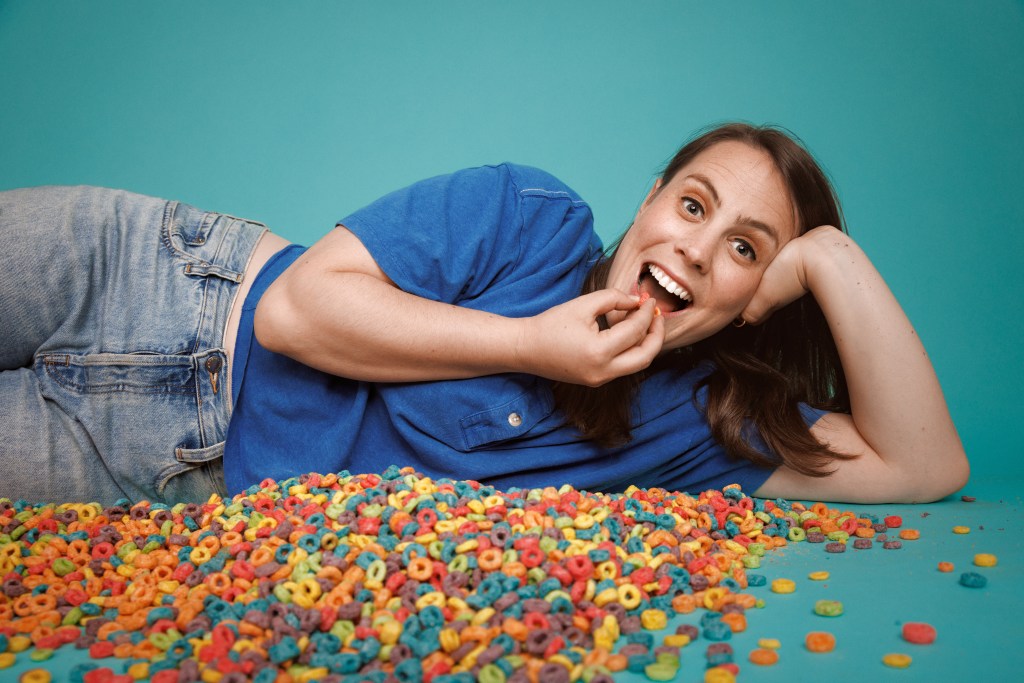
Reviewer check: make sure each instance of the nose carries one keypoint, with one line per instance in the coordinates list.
(696, 251)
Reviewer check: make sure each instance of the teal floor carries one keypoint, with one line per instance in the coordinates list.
(979, 631)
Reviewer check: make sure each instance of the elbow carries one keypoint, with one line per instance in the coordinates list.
(947, 477)
(269, 324)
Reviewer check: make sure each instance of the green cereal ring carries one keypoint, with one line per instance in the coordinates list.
(828, 608)
(661, 671)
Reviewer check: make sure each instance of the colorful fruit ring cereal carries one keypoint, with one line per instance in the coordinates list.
(961, 530)
(820, 641)
(985, 560)
(764, 656)
(910, 534)
(918, 633)
(897, 660)
(783, 585)
(828, 608)
(818, 576)
(945, 566)
(973, 580)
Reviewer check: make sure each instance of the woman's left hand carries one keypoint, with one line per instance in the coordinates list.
(785, 279)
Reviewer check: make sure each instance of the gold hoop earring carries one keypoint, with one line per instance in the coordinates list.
(739, 322)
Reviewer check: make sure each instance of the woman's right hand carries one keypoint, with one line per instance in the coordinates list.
(567, 343)
(336, 311)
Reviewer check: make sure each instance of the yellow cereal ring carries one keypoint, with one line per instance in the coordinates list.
(961, 530)
(818, 576)
(985, 560)
(783, 586)
(769, 643)
(897, 660)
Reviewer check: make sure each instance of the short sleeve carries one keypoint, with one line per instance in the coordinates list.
(455, 237)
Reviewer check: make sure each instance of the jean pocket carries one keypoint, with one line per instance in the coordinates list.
(137, 373)
(200, 239)
(197, 473)
(145, 416)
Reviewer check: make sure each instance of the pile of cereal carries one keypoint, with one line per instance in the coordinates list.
(391, 578)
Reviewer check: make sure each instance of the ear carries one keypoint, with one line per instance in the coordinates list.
(650, 196)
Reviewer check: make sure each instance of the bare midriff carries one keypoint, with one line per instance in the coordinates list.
(268, 245)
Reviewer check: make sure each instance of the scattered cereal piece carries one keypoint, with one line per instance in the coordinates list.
(835, 547)
(35, 676)
(719, 674)
(764, 656)
(918, 633)
(818, 576)
(961, 530)
(892, 545)
(968, 499)
(893, 521)
(863, 544)
(783, 586)
(828, 608)
(973, 580)
(985, 560)
(945, 566)
(820, 641)
(896, 660)
(910, 534)
(769, 643)
(7, 659)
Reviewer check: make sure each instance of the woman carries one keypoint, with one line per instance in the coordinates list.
(442, 327)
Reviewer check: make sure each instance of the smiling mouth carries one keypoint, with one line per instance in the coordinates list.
(671, 296)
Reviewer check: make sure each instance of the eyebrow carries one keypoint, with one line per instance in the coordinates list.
(743, 220)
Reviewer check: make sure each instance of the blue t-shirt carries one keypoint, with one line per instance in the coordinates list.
(508, 239)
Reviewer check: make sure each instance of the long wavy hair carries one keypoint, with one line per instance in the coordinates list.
(760, 373)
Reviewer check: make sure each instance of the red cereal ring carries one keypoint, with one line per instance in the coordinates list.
(893, 521)
(918, 633)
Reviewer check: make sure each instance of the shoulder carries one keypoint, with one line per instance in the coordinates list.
(530, 181)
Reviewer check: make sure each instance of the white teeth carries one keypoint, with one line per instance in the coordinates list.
(668, 283)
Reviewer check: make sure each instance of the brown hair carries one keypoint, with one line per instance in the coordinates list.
(760, 372)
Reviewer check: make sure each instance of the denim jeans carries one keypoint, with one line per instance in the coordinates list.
(113, 374)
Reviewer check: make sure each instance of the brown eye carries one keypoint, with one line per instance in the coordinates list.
(744, 249)
(692, 207)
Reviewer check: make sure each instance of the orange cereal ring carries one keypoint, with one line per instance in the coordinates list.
(516, 629)
(218, 582)
(910, 534)
(820, 641)
(736, 621)
(945, 566)
(617, 662)
(489, 559)
(763, 656)
(421, 568)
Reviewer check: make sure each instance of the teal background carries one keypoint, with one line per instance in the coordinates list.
(297, 113)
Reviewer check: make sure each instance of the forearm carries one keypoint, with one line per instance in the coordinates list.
(357, 326)
(897, 404)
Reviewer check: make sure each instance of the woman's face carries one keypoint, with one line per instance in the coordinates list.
(700, 242)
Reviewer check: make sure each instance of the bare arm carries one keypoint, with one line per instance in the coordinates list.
(335, 310)
(899, 425)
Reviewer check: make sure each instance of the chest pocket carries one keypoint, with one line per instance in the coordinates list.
(512, 419)
(469, 414)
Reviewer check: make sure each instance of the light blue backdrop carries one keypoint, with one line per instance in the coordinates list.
(297, 113)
